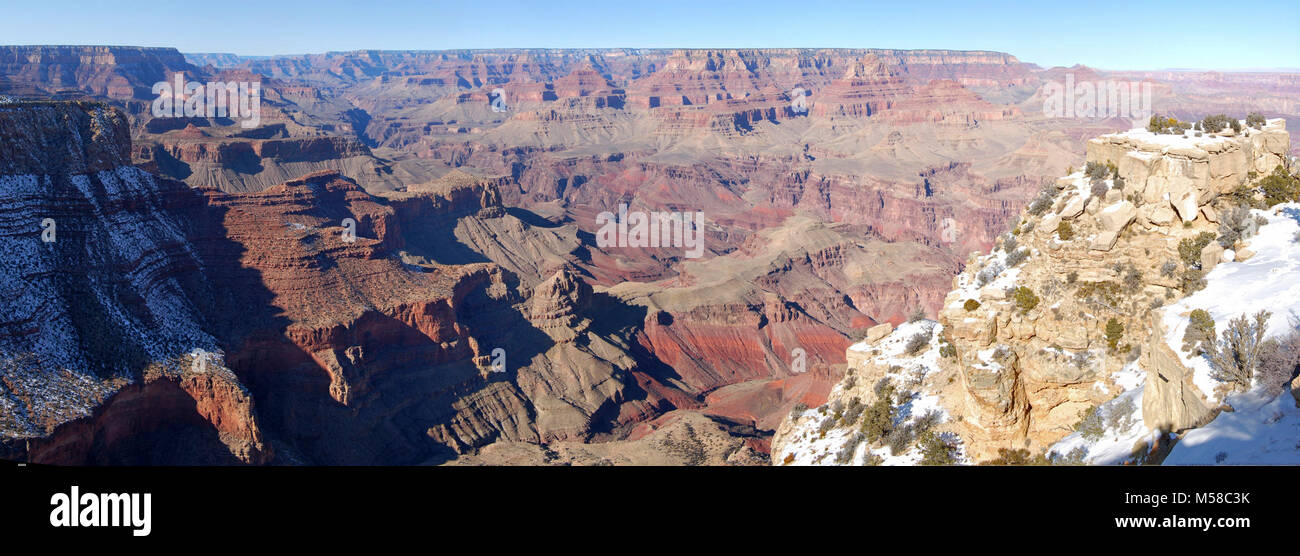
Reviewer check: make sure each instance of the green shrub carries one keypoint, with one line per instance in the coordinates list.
(935, 450)
(1025, 299)
(1042, 202)
(1215, 123)
(918, 342)
(900, 438)
(845, 455)
(946, 349)
(971, 305)
(1092, 426)
(1096, 171)
(1255, 120)
(1243, 196)
(1065, 230)
(1237, 355)
(878, 419)
(1168, 126)
(1014, 258)
(1114, 332)
(1280, 187)
(1191, 281)
(1106, 292)
(1189, 249)
(1020, 456)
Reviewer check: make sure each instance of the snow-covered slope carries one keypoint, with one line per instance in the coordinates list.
(1270, 281)
(1261, 428)
(820, 441)
(93, 270)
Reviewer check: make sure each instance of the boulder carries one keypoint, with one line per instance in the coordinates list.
(1186, 204)
(1074, 207)
(1104, 241)
(1115, 217)
(875, 333)
(1091, 207)
(1210, 214)
(1159, 214)
(1211, 255)
(1047, 228)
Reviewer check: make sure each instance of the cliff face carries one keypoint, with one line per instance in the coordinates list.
(1121, 242)
(117, 72)
(99, 324)
(310, 322)
(1065, 314)
(43, 138)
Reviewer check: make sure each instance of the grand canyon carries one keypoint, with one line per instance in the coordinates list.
(403, 262)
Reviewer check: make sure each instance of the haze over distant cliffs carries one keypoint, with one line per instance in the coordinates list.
(839, 189)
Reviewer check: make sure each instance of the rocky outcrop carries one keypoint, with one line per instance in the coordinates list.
(1044, 328)
(1116, 253)
(1170, 401)
(1188, 172)
(101, 291)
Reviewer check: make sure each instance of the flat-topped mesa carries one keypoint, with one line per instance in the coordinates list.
(117, 72)
(1189, 171)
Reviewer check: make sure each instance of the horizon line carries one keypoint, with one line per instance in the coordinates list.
(617, 48)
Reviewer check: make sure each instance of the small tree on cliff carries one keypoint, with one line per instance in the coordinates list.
(1237, 355)
(1065, 230)
(1114, 332)
(1025, 298)
(1200, 332)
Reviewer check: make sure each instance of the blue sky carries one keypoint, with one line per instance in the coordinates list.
(1112, 35)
